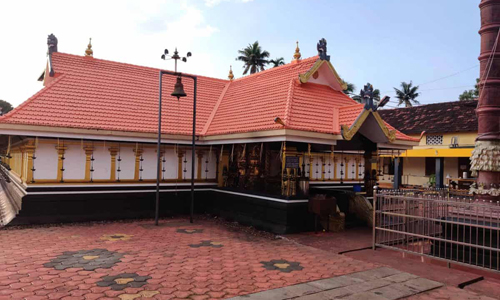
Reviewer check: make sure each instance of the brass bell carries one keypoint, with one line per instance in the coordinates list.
(179, 89)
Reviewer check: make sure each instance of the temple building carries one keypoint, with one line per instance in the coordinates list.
(83, 147)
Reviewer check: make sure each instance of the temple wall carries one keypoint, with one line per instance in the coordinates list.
(46, 162)
(127, 164)
(101, 164)
(73, 162)
(186, 165)
(62, 161)
(149, 164)
(334, 166)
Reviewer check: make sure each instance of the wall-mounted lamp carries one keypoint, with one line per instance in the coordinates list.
(278, 120)
(384, 101)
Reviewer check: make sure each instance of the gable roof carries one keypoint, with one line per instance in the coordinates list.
(457, 116)
(90, 93)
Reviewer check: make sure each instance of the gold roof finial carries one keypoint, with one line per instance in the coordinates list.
(230, 76)
(297, 54)
(89, 51)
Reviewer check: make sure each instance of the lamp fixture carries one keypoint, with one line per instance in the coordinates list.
(278, 120)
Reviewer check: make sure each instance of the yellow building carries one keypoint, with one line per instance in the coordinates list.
(447, 132)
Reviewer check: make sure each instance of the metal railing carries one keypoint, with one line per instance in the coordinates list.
(437, 224)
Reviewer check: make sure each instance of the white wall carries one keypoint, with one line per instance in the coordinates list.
(74, 162)
(211, 166)
(127, 164)
(329, 168)
(316, 167)
(351, 173)
(171, 164)
(149, 164)
(187, 166)
(340, 168)
(46, 162)
(102, 163)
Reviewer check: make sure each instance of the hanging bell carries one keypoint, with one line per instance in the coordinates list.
(179, 89)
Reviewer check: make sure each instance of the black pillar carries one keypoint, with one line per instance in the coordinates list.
(439, 172)
(397, 173)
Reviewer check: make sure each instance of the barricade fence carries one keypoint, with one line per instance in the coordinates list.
(438, 224)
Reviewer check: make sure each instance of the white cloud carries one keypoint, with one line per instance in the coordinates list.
(211, 3)
(126, 31)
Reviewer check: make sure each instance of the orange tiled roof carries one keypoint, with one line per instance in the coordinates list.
(92, 93)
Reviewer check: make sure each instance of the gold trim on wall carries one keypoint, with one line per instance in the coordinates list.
(180, 155)
(113, 152)
(88, 155)
(60, 161)
(138, 150)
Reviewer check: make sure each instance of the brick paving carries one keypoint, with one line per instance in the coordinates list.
(138, 261)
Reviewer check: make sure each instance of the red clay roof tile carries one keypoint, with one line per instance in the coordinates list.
(92, 93)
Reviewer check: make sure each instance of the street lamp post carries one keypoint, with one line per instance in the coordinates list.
(178, 92)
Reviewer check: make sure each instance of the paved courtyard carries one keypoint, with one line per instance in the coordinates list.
(179, 260)
(176, 260)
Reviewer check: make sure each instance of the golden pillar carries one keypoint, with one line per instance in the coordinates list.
(88, 156)
(113, 151)
(60, 162)
(180, 155)
(346, 164)
(22, 174)
(284, 177)
(30, 151)
(138, 153)
(162, 158)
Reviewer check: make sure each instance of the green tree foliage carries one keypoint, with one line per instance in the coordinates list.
(350, 88)
(470, 94)
(407, 95)
(279, 61)
(6, 107)
(254, 57)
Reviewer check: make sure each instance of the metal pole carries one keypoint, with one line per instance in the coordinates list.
(374, 219)
(193, 151)
(158, 167)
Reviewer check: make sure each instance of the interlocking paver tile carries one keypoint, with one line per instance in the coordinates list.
(71, 260)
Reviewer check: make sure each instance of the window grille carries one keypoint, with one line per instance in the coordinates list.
(434, 140)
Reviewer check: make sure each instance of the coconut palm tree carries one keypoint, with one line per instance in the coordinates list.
(350, 87)
(254, 57)
(279, 61)
(5, 107)
(407, 95)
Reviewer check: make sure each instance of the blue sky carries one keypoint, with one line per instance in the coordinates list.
(382, 42)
